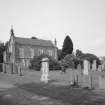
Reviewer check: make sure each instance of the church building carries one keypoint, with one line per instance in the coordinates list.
(22, 50)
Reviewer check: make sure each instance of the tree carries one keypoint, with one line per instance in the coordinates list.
(33, 37)
(79, 53)
(59, 54)
(2, 48)
(35, 63)
(91, 57)
(67, 46)
(68, 61)
(6, 45)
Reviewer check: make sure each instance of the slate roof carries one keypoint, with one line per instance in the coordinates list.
(37, 42)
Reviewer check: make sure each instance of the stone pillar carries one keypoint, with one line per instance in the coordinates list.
(100, 68)
(103, 66)
(4, 67)
(12, 68)
(44, 70)
(86, 74)
(94, 65)
(80, 74)
(86, 67)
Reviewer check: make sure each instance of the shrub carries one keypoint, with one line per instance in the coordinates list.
(67, 62)
(35, 63)
(70, 61)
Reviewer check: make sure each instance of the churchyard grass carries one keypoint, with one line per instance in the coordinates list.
(58, 89)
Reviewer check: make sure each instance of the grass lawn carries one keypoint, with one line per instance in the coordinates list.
(71, 95)
(29, 85)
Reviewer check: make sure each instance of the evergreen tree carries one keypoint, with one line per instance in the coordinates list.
(67, 46)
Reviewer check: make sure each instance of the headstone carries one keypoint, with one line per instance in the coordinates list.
(4, 57)
(86, 76)
(45, 70)
(80, 74)
(79, 68)
(94, 66)
(94, 81)
(4, 67)
(86, 67)
(99, 68)
(103, 66)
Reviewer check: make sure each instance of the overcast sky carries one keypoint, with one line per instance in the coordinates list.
(49, 19)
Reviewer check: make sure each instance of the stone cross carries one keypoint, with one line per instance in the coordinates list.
(44, 70)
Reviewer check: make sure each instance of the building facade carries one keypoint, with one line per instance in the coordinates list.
(22, 50)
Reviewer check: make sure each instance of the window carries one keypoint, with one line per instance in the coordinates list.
(41, 51)
(50, 53)
(32, 52)
(21, 52)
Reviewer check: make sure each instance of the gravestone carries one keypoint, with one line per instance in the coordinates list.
(94, 66)
(44, 70)
(99, 67)
(103, 66)
(80, 74)
(79, 68)
(86, 67)
(86, 76)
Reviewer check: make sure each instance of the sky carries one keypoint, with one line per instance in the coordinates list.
(50, 19)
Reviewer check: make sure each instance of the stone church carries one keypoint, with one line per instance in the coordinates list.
(22, 50)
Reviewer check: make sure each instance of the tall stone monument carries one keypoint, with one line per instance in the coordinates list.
(44, 70)
(94, 65)
(103, 66)
(86, 67)
(86, 74)
(100, 68)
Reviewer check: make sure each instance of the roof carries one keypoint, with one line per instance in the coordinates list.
(37, 42)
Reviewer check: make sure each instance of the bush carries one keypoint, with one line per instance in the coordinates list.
(35, 63)
(70, 61)
(67, 62)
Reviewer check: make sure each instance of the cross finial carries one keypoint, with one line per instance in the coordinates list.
(12, 31)
(55, 41)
